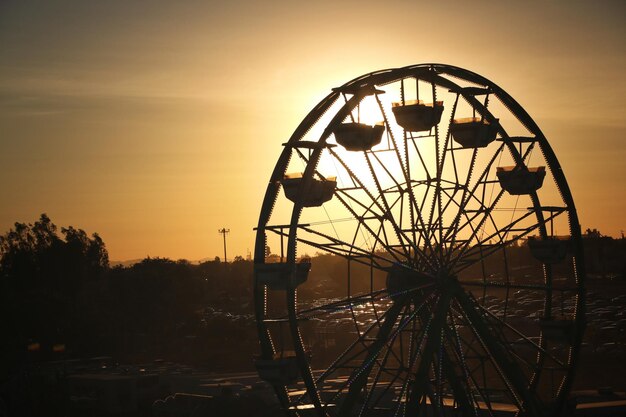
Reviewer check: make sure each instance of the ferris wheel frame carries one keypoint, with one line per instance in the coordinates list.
(434, 254)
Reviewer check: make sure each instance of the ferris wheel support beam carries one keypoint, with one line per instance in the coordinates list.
(419, 386)
(455, 340)
(528, 403)
(359, 379)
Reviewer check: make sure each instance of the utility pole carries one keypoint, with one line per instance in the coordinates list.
(223, 232)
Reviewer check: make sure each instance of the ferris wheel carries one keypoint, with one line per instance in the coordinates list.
(447, 274)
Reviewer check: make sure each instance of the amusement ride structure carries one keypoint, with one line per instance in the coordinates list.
(459, 285)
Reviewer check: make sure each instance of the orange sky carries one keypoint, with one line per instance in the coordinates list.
(156, 123)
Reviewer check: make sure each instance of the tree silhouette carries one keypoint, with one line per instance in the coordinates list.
(42, 275)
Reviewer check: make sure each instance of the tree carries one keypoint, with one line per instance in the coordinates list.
(42, 275)
(593, 233)
(32, 253)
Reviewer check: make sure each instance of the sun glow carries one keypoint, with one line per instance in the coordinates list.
(368, 112)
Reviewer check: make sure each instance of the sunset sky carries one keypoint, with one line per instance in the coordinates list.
(155, 123)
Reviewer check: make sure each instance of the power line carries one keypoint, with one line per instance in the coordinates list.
(223, 232)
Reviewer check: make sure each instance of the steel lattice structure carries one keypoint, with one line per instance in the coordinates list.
(461, 285)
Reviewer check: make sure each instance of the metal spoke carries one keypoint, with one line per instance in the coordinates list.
(337, 362)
